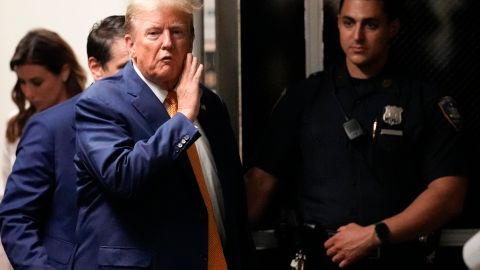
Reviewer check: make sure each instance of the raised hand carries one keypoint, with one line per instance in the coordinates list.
(188, 90)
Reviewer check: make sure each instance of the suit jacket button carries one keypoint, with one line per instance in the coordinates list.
(179, 145)
(204, 257)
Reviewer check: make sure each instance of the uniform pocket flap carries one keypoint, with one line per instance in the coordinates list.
(123, 256)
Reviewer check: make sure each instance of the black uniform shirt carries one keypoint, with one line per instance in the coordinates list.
(369, 178)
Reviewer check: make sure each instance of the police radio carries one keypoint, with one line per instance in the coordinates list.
(352, 127)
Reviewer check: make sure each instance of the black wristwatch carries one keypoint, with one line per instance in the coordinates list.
(383, 232)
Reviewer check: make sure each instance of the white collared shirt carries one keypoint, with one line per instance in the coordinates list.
(206, 160)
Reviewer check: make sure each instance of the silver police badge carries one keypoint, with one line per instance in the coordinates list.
(392, 115)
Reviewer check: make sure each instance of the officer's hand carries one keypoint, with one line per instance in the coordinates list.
(188, 90)
(351, 243)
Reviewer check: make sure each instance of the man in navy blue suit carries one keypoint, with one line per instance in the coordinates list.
(142, 205)
(38, 213)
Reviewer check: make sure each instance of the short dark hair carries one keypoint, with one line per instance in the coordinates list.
(102, 35)
(392, 8)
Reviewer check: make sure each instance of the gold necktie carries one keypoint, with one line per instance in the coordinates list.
(216, 258)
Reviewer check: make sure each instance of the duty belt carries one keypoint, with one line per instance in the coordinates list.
(265, 239)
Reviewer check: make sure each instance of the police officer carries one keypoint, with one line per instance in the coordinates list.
(376, 153)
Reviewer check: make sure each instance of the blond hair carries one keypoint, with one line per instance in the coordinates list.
(136, 6)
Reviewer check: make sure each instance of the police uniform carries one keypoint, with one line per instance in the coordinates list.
(361, 150)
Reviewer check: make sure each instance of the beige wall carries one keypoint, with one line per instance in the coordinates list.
(71, 19)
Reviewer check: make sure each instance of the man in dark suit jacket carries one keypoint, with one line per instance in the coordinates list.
(140, 204)
(38, 213)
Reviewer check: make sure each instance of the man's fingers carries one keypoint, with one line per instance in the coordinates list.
(186, 68)
(337, 258)
(193, 67)
(192, 70)
(188, 62)
(198, 73)
(331, 252)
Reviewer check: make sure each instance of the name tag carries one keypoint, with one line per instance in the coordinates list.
(393, 132)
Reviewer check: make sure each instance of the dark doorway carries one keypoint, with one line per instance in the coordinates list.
(273, 55)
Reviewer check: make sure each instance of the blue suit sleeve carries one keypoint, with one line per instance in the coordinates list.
(27, 196)
(123, 162)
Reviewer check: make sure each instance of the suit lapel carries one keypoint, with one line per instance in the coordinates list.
(209, 119)
(143, 99)
(202, 114)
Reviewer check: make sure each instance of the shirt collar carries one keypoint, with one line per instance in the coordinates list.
(159, 93)
(382, 82)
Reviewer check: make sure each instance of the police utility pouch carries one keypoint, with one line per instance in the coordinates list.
(353, 129)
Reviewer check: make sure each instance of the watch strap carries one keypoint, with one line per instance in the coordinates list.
(383, 232)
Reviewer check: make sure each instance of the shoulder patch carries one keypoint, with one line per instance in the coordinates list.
(449, 108)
